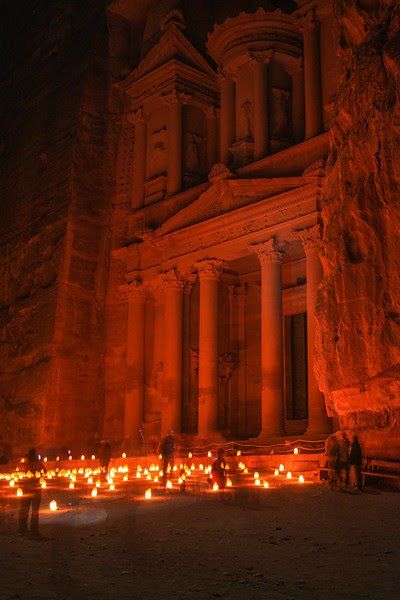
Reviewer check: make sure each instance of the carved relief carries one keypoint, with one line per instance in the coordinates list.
(158, 156)
(192, 153)
(280, 112)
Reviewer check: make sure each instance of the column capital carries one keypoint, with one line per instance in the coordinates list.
(260, 57)
(173, 279)
(310, 238)
(210, 269)
(174, 98)
(308, 21)
(136, 289)
(270, 251)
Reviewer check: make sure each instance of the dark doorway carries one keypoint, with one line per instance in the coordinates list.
(296, 366)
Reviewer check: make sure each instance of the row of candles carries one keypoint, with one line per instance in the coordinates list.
(152, 473)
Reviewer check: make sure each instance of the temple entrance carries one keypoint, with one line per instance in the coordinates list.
(296, 398)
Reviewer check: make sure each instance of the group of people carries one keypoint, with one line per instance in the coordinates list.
(344, 461)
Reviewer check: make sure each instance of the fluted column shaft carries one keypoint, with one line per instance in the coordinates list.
(318, 421)
(135, 351)
(209, 276)
(139, 161)
(271, 257)
(173, 340)
(227, 118)
(298, 103)
(312, 76)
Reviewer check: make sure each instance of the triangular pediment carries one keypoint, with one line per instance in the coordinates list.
(226, 196)
(173, 45)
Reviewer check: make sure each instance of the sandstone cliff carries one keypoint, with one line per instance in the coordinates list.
(358, 341)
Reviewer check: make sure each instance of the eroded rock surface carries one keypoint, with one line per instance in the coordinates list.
(359, 306)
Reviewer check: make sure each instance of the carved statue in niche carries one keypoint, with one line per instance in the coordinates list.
(158, 158)
(227, 364)
(192, 154)
(280, 112)
(194, 361)
(246, 110)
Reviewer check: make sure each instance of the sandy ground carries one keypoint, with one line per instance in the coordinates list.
(294, 542)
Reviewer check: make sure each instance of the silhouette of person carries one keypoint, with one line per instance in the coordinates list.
(218, 469)
(104, 456)
(355, 462)
(344, 449)
(32, 495)
(167, 451)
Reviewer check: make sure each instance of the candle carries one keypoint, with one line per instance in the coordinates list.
(147, 494)
(215, 487)
(281, 468)
(289, 475)
(169, 484)
(94, 492)
(266, 484)
(301, 478)
(53, 505)
(20, 492)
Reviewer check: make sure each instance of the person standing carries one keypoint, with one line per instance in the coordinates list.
(104, 457)
(218, 469)
(167, 451)
(344, 449)
(355, 462)
(332, 462)
(32, 495)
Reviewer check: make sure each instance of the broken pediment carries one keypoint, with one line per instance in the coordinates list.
(227, 195)
(172, 45)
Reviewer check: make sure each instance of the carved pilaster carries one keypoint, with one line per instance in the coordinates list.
(310, 238)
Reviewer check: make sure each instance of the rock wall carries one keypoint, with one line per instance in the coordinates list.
(358, 340)
(57, 151)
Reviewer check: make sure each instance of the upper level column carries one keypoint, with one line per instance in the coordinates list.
(139, 160)
(312, 75)
(227, 118)
(212, 135)
(260, 62)
(172, 388)
(175, 102)
(271, 255)
(135, 351)
(297, 73)
(318, 421)
(210, 272)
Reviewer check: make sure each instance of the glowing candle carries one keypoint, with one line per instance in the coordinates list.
(145, 472)
(124, 455)
(11, 483)
(276, 473)
(125, 478)
(69, 457)
(57, 458)
(256, 475)
(180, 480)
(209, 454)
(98, 484)
(20, 492)
(83, 457)
(295, 451)
(238, 453)
(93, 457)
(147, 494)
(71, 485)
(94, 492)
(301, 478)
(90, 480)
(45, 459)
(43, 485)
(289, 475)
(155, 479)
(245, 470)
(160, 456)
(148, 477)
(201, 466)
(257, 482)
(228, 483)
(111, 487)
(138, 474)
(266, 484)
(169, 484)
(190, 455)
(192, 467)
(215, 487)
(281, 468)
(53, 505)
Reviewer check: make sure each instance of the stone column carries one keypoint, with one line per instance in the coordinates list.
(174, 102)
(139, 160)
(298, 102)
(227, 117)
(209, 275)
(318, 421)
(312, 76)
(260, 63)
(135, 351)
(212, 136)
(271, 256)
(173, 340)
